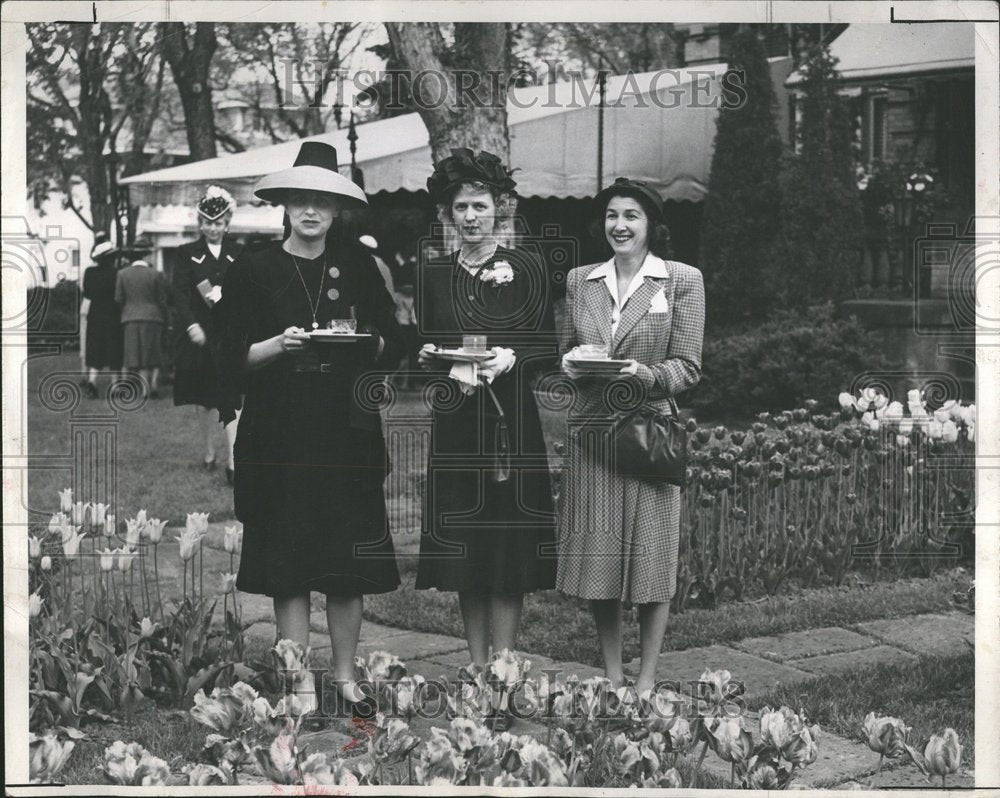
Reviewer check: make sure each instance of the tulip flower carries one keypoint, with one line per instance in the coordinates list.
(886, 735)
(949, 432)
(970, 432)
(407, 692)
(57, 522)
(146, 628)
(714, 686)
(913, 396)
(439, 760)
(906, 426)
(106, 559)
(189, 541)
(730, 740)
(35, 602)
(67, 531)
(233, 539)
(98, 514)
(125, 556)
(669, 780)
(942, 756)
(880, 401)
(197, 523)
(133, 531)
(154, 530)
(47, 756)
(140, 517)
(393, 741)
(222, 711)
(66, 500)
(228, 583)
(941, 415)
(202, 775)
(46, 563)
(846, 401)
(968, 414)
(893, 412)
(291, 655)
(278, 762)
(861, 404)
(71, 544)
(763, 777)
(132, 765)
(109, 524)
(78, 513)
(267, 718)
(935, 430)
(508, 668)
(34, 547)
(382, 666)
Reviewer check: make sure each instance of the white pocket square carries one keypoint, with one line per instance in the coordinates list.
(659, 304)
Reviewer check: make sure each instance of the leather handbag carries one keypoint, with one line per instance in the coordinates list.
(651, 445)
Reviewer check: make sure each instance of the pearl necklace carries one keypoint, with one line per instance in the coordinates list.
(475, 264)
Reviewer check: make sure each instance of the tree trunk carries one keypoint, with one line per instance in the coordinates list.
(468, 107)
(190, 67)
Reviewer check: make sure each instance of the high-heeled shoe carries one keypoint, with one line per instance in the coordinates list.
(90, 389)
(363, 709)
(209, 465)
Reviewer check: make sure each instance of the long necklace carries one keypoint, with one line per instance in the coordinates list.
(322, 275)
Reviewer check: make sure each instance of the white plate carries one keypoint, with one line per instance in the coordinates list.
(461, 356)
(329, 336)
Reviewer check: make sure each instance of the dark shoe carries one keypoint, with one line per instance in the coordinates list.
(208, 465)
(154, 394)
(90, 389)
(230, 474)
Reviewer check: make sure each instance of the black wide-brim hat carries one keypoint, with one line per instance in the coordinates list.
(315, 169)
(636, 189)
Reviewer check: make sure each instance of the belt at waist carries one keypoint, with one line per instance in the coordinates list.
(317, 368)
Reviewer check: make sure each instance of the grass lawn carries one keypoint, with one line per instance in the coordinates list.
(928, 696)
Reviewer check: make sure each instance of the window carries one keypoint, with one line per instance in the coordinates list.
(879, 131)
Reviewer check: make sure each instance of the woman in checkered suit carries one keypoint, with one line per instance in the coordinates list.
(618, 536)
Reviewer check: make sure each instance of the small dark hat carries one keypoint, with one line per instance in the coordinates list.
(216, 203)
(315, 169)
(464, 166)
(143, 245)
(636, 189)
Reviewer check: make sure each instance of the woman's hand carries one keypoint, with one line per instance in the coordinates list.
(568, 370)
(424, 357)
(293, 339)
(502, 361)
(196, 334)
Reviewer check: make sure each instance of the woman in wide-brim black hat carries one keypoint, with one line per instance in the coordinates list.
(199, 269)
(488, 519)
(103, 346)
(310, 456)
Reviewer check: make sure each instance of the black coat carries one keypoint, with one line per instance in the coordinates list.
(310, 455)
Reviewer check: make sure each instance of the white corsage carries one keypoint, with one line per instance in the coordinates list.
(498, 274)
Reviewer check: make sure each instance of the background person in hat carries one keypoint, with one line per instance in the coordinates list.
(503, 546)
(618, 536)
(310, 456)
(103, 335)
(143, 295)
(197, 281)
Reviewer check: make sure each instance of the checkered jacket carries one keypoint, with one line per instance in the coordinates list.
(666, 344)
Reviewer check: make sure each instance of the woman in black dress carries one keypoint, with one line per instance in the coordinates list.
(199, 271)
(488, 517)
(310, 456)
(103, 341)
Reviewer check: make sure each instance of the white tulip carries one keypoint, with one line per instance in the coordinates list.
(34, 547)
(197, 523)
(110, 523)
(880, 401)
(98, 512)
(133, 531)
(971, 431)
(141, 517)
(949, 432)
(125, 557)
(57, 522)
(893, 412)
(870, 422)
(46, 563)
(956, 410)
(969, 414)
(861, 405)
(941, 415)
(66, 500)
(846, 401)
(935, 430)
(79, 513)
(913, 397)
(233, 539)
(35, 602)
(146, 628)
(107, 559)
(154, 529)
(902, 440)
(71, 545)
(906, 426)
(228, 583)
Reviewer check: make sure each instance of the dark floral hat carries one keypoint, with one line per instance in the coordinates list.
(216, 203)
(464, 166)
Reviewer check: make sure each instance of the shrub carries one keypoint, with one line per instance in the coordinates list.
(741, 211)
(779, 364)
(53, 313)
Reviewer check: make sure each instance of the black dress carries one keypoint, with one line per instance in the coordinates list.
(310, 457)
(481, 534)
(105, 347)
(195, 367)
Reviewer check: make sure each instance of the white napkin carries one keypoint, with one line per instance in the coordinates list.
(466, 375)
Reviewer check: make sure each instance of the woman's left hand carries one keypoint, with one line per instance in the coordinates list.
(632, 369)
(376, 345)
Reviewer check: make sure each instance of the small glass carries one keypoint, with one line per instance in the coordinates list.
(592, 352)
(342, 325)
(474, 343)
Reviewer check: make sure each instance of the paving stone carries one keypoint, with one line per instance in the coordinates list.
(939, 635)
(909, 777)
(539, 663)
(838, 759)
(759, 675)
(810, 643)
(862, 659)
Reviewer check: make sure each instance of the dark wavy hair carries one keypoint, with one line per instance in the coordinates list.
(657, 236)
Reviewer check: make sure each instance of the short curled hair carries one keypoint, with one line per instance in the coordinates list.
(505, 202)
(658, 236)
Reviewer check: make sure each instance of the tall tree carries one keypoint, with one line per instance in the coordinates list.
(819, 241)
(743, 205)
(188, 48)
(616, 46)
(460, 88)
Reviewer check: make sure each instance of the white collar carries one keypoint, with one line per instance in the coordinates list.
(652, 266)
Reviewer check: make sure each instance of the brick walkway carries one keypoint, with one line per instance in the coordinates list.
(762, 663)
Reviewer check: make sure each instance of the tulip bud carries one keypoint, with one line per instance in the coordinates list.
(106, 559)
(34, 547)
(110, 523)
(886, 736)
(913, 397)
(46, 563)
(35, 603)
(233, 539)
(154, 530)
(970, 432)
(66, 500)
(146, 628)
(78, 513)
(943, 753)
(228, 583)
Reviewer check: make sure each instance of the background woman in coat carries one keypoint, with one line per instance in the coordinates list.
(310, 456)
(199, 271)
(103, 339)
(618, 536)
(143, 295)
(488, 518)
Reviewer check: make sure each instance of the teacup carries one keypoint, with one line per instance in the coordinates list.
(342, 325)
